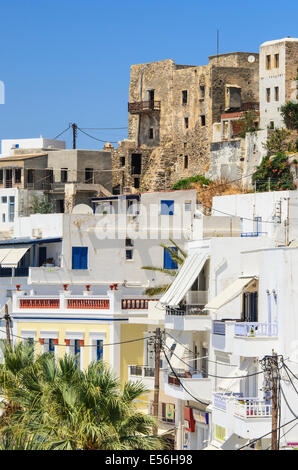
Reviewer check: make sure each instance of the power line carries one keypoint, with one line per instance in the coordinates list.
(95, 138)
(61, 133)
(103, 128)
(88, 345)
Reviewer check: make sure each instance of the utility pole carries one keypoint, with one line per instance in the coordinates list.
(156, 377)
(74, 135)
(271, 377)
(7, 320)
(274, 399)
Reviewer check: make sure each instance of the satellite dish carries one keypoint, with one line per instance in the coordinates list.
(82, 209)
(251, 59)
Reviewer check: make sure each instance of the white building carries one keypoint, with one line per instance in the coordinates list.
(278, 79)
(8, 146)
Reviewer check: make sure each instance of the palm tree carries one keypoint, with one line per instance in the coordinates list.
(178, 255)
(58, 406)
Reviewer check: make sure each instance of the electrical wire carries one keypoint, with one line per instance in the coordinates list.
(95, 138)
(102, 128)
(57, 136)
(87, 345)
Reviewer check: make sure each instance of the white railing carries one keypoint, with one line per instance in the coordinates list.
(242, 406)
(252, 408)
(252, 329)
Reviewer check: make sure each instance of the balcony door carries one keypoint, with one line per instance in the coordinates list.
(250, 307)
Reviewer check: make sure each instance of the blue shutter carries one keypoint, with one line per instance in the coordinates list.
(99, 349)
(167, 207)
(51, 345)
(79, 257)
(168, 262)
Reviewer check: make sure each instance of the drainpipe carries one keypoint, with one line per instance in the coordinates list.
(269, 312)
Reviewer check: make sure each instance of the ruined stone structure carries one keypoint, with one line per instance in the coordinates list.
(171, 112)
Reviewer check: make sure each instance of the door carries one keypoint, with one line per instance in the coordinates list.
(42, 255)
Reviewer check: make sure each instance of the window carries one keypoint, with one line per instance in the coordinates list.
(64, 175)
(137, 183)
(30, 176)
(122, 161)
(268, 95)
(168, 412)
(3, 218)
(89, 175)
(79, 257)
(18, 175)
(184, 97)
(168, 262)
(49, 345)
(1, 176)
(167, 207)
(136, 163)
(186, 122)
(276, 93)
(202, 92)
(4, 199)
(128, 255)
(187, 206)
(276, 61)
(203, 120)
(268, 62)
(128, 242)
(151, 95)
(185, 162)
(271, 125)
(11, 209)
(151, 135)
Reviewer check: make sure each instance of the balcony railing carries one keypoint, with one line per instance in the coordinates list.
(143, 106)
(256, 329)
(186, 310)
(141, 371)
(242, 406)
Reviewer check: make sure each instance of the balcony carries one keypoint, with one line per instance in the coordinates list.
(143, 107)
(193, 382)
(143, 373)
(249, 339)
(248, 417)
(187, 318)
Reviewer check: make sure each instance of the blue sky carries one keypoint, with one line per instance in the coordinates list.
(69, 60)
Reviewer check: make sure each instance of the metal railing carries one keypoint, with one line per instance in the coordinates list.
(186, 310)
(141, 371)
(143, 106)
(253, 329)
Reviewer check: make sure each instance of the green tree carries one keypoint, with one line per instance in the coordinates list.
(54, 405)
(289, 112)
(41, 205)
(273, 174)
(178, 255)
(248, 123)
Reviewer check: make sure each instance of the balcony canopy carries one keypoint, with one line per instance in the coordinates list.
(185, 278)
(10, 257)
(229, 294)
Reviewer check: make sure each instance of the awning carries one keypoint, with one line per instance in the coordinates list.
(3, 253)
(185, 278)
(234, 442)
(13, 257)
(229, 294)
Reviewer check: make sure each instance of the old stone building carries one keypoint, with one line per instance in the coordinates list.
(171, 112)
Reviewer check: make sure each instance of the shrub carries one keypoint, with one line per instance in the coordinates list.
(186, 183)
(289, 112)
(273, 174)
